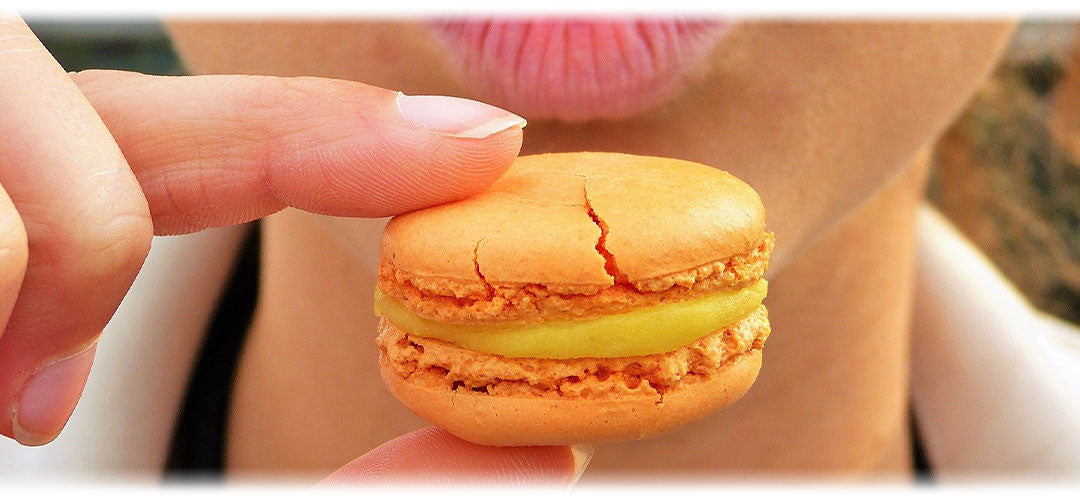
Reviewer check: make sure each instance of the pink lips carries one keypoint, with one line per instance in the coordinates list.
(577, 70)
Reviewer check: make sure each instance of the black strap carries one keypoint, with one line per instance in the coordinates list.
(198, 443)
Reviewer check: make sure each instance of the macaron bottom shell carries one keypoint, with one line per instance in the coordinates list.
(509, 421)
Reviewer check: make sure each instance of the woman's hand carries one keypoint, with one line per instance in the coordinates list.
(93, 164)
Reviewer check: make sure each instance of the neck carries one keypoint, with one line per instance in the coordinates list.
(308, 378)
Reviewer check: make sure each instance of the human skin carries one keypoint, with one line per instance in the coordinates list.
(825, 121)
(94, 163)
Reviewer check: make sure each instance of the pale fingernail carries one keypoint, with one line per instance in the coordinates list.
(583, 454)
(455, 116)
(49, 397)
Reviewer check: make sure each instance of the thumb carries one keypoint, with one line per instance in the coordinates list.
(217, 150)
(431, 455)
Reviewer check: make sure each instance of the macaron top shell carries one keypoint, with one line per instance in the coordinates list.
(576, 223)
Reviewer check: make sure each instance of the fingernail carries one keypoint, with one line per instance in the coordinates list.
(582, 456)
(455, 116)
(49, 397)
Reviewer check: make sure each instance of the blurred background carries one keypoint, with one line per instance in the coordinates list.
(1007, 172)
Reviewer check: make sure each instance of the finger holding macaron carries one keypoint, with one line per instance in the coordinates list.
(584, 297)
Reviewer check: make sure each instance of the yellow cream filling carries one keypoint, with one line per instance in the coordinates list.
(652, 330)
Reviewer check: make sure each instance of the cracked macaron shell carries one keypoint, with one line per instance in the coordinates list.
(542, 223)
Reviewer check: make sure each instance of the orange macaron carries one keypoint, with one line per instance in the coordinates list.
(584, 297)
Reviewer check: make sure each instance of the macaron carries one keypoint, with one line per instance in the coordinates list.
(584, 297)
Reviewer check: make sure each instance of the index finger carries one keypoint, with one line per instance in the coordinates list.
(218, 150)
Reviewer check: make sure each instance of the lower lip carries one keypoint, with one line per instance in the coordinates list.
(577, 70)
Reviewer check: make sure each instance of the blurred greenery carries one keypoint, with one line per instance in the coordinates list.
(131, 45)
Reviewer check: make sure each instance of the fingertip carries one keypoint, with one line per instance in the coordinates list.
(456, 117)
(48, 398)
(410, 171)
(432, 455)
(582, 454)
(425, 151)
(467, 167)
(440, 166)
